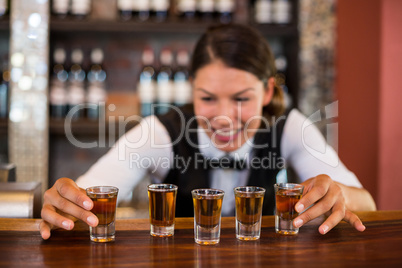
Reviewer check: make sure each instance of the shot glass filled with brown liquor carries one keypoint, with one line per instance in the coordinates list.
(207, 215)
(104, 199)
(286, 197)
(162, 208)
(249, 201)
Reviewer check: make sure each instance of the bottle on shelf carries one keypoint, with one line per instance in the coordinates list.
(96, 77)
(186, 9)
(80, 9)
(76, 86)
(281, 11)
(164, 83)
(5, 77)
(3, 8)
(182, 87)
(160, 9)
(60, 8)
(205, 9)
(141, 10)
(146, 84)
(58, 81)
(263, 11)
(125, 8)
(224, 10)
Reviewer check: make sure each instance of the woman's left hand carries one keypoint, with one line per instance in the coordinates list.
(327, 196)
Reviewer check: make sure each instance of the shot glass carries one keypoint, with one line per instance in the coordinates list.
(286, 196)
(249, 201)
(104, 199)
(207, 215)
(162, 208)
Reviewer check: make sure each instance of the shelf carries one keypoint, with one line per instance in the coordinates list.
(173, 26)
(85, 127)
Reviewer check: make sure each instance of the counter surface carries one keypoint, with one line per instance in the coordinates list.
(380, 245)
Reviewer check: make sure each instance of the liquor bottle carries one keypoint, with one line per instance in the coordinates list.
(58, 90)
(263, 11)
(160, 9)
(80, 9)
(182, 87)
(5, 77)
(281, 11)
(146, 83)
(76, 87)
(164, 83)
(224, 10)
(186, 8)
(141, 10)
(125, 8)
(60, 8)
(205, 9)
(96, 96)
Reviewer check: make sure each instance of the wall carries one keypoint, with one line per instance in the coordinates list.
(367, 82)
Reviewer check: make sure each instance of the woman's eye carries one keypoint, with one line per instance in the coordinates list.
(207, 99)
(241, 99)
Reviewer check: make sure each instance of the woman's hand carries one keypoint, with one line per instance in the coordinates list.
(327, 196)
(63, 204)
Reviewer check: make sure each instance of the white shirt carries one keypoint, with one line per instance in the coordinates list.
(147, 149)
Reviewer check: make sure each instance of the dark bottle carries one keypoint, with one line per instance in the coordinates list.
(141, 10)
(4, 91)
(187, 8)
(160, 9)
(96, 77)
(125, 8)
(205, 9)
(80, 9)
(60, 8)
(146, 83)
(224, 10)
(58, 84)
(181, 83)
(76, 85)
(164, 83)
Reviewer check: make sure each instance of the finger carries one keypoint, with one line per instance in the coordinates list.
(318, 191)
(69, 190)
(72, 209)
(55, 219)
(321, 207)
(44, 229)
(338, 213)
(354, 221)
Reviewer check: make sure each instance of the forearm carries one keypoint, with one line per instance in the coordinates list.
(357, 199)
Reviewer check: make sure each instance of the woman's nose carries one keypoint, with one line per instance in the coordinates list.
(225, 114)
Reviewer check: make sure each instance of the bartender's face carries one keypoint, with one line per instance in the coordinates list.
(228, 104)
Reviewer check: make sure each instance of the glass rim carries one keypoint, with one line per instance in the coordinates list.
(255, 189)
(289, 186)
(161, 187)
(110, 190)
(208, 192)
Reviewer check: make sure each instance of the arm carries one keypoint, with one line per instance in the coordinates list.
(338, 192)
(121, 166)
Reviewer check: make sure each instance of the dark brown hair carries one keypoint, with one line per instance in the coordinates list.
(241, 47)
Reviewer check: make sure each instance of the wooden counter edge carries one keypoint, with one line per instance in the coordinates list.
(12, 224)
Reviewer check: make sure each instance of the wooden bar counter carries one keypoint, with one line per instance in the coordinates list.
(379, 246)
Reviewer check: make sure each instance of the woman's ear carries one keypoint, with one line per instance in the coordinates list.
(269, 91)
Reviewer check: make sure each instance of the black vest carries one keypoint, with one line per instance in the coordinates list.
(195, 176)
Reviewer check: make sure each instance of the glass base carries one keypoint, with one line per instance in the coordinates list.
(102, 233)
(285, 227)
(207, 236)
(162, 231)
(248, 232)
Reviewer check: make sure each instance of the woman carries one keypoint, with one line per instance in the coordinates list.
(238, 114)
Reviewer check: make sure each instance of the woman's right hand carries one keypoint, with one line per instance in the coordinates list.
(63, 204)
